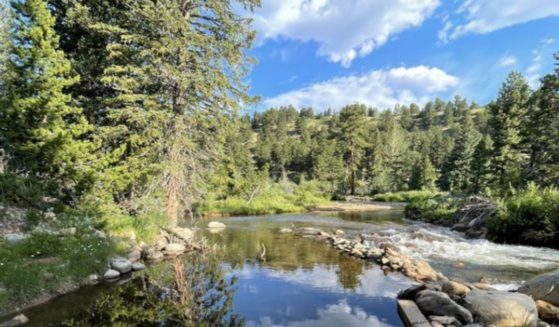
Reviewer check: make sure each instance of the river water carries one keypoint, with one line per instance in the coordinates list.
(304, 282)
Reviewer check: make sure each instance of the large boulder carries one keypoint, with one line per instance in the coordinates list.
(121, 265)
(543, 287)
(433, 303)
(502, 309)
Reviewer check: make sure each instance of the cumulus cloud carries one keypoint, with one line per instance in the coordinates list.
(344, 30)
(379, 88)
(483, 16)
(508, 60)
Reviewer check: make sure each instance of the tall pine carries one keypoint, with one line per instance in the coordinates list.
(507, 121)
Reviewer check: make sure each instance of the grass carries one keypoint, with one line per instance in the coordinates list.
(43, 262)
(272, 199)
(407, 196)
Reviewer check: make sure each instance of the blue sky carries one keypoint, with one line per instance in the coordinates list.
(329, 53)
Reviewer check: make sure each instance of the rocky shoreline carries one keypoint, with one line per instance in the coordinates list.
(170, 243)
(443, 302)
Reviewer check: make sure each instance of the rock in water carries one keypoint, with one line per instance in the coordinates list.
(286, 230)
(548, 312)
(19, 320)
(121, 265)
(433, 303)
(543, 287)
(502, 309)
(111, 274)
(216, 225)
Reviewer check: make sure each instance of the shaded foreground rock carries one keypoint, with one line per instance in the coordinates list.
(433, 303)
(548, 312)
(543, 287)
(502, 309)
(121, 265)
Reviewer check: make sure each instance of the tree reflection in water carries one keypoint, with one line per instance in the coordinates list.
(188, 291)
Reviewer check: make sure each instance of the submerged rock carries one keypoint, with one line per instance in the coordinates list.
(502, 309)
(543, 287)
(121, 265)
(433, 303)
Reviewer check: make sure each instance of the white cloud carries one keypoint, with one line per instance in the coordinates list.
(541, 57)
(508, 60)
(380, 88)
(484, 16)
(344, 30)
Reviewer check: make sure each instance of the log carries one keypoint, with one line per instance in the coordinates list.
(411, 315)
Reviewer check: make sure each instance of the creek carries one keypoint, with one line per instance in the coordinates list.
(282, 279)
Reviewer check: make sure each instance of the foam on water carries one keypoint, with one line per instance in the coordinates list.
(441, 244)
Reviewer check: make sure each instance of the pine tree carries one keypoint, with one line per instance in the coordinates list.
(44, 130)
(351, 133)
(542, 134)
(457, 173)
(481, 165)
(507, 115)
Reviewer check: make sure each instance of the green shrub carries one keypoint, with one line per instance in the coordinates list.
(529, 216)
(438, 210)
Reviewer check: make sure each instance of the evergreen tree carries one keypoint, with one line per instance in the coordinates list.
(542, 134)
(428, 116)
(481, 165)
(507, 115)
(351, 133)
(44, 130)
(457, 173)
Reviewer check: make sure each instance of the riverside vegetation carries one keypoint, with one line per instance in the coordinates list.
(123, 118)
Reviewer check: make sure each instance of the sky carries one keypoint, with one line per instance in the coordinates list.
(331, 53)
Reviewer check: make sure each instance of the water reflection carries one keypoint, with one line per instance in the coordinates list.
(190, 291)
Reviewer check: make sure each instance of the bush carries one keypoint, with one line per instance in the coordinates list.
(438, 210)
(529, 216)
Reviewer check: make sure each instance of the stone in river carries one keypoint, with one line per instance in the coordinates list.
(121, 265)
(18, 320)
(502, 309)
(137, 266)
(216, 225)
(111, 274)
(544, 287)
